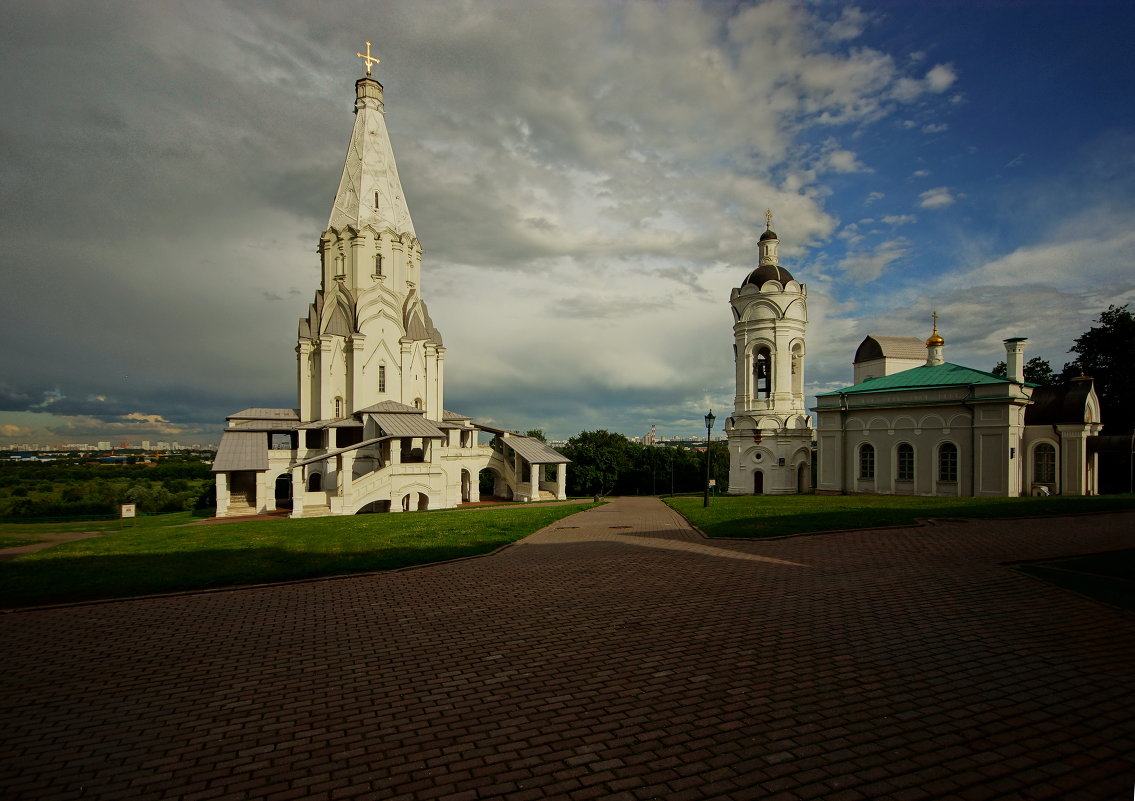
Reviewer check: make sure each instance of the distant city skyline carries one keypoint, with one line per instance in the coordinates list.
(588, 181)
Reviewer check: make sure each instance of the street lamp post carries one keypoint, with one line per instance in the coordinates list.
(709, 418)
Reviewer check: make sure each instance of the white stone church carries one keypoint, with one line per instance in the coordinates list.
(371, 433)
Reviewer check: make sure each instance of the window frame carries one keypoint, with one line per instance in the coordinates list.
(951, 476)
(904, 462)
(866, 461)
(1049, 474)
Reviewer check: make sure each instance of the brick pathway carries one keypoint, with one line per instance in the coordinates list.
(615, 655)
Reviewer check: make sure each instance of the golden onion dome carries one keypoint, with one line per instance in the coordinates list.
(935, 339)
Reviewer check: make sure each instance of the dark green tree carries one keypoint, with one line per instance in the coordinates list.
(537, 433)
(598, 458)
(1104, 352)
(1037, 371)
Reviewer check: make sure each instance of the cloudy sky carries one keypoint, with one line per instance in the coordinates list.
(588, 180)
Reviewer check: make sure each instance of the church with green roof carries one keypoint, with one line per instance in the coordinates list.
(915, 424)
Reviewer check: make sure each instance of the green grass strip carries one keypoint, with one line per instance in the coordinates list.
(157, 558)
(756, 516)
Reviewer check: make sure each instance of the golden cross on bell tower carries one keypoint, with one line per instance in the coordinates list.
(368, 59)
(768, 219)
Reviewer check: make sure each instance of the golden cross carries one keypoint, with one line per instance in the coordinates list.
(768, 219)
(368, 59)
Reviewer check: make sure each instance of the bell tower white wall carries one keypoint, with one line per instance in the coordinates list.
(770, 431)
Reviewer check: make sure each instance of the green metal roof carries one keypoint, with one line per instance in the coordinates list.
(923, 377)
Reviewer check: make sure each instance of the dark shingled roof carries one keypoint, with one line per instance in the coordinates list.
(769, 234)
(879, 347)
(768, 272)
(1063, 403)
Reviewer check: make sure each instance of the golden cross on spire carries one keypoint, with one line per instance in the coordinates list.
(368, 59)
(768, 219)
(935, 316)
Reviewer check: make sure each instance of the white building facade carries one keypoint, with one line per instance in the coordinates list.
(770, 432)
(371, 432)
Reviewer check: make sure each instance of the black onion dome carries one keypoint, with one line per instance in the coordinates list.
(769, 234)
(768, 272)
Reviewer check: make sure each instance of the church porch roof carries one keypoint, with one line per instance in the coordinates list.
(390, 407)
(535, 451)
(241, 450)
(260, 413)
(405, 425)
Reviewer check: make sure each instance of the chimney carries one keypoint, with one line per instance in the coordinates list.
(1015, 358)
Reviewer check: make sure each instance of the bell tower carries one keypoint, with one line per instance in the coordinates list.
(770, 432)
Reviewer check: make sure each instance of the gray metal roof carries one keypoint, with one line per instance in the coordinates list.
(882, 347)
(408, 425)
(257, 413)
(535, 451)
(391, 407)
(241, 450)
(261, 425)
(447, 415)
(333, 422)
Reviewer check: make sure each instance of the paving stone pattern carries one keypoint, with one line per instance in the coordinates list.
(618, 655)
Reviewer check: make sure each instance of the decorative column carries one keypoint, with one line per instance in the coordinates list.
(561, 482)
(439, 379)
(355, 270)
(222, 494)
(299, 492)
(356, 392)
(324, 409)
(303, 378)
(534, 478)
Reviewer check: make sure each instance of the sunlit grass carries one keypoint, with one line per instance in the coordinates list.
(159, 555)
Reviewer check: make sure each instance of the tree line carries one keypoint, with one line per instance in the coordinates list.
(1104, 352)
(606, 463)
(81, 489)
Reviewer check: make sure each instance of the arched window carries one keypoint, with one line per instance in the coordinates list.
(315, 482)
(904, 463)
(382, 378)
(338, 408)
(417, 403)
(948, 462)
(762, 374)
(866, 461)
(378, 264)
(1044, 464)
(797, 369)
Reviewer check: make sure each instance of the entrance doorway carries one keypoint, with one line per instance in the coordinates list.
(284, 491)
(758, 482)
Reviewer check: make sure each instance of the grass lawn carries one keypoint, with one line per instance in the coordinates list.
(160, 555)
(12, 540)
(756, 516)
(1106, 577)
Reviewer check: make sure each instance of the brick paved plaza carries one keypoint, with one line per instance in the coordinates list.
(615, 655)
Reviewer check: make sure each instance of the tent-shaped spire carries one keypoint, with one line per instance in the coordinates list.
(369, 191)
